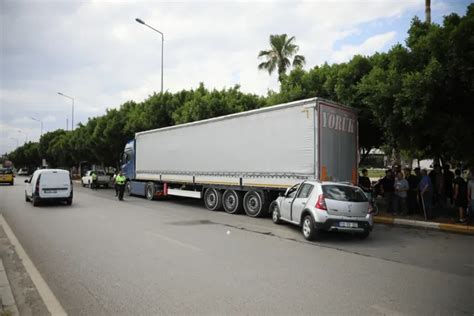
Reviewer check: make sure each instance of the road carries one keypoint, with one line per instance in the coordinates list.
(101, 256)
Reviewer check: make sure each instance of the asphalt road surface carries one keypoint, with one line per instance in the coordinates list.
(101, 256)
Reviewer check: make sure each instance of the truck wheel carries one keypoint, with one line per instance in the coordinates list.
(232, 201)
(35, 201)
(150, 191)
(275, 211)
(128, 188)
(69, 201)
(26, 198)
(254, 204)
(213, 199)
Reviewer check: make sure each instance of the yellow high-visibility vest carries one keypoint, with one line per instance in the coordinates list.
(120, 179)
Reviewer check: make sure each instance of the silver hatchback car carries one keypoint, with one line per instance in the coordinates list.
(328, 206)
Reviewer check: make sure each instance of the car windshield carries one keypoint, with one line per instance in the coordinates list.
(6, 171)
(343, 193)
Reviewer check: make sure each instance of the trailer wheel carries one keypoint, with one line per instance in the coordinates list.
(128, 188)
(213, 199)
(150, 191)
(254, 204)
(232, 201)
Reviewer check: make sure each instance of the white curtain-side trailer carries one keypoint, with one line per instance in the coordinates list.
(242, 161)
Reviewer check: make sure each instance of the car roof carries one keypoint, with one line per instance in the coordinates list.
(40, 171)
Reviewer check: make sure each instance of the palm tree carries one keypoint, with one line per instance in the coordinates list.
(282, 49)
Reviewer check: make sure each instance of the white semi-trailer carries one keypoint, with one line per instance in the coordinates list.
(241, 162)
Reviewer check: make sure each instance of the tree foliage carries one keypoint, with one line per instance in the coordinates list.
(282, 49)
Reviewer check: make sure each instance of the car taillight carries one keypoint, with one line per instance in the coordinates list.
(371, 208)
(321, 203)
(38, 184)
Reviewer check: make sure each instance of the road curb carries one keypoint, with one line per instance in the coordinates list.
(454, 228)
(8, 304)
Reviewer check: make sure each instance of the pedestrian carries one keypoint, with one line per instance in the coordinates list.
(437, 179)
(426, 194)
(94, 181)
(386, 185)
(470, 195)
(120, 180)
(460, 195)
(448, 184)
(401, 188)
(413, 181)
(364, 183)
(115, 183)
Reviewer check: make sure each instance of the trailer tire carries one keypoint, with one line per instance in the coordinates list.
(254, 204)
(128, 188)
(232, 201)
(150, 191)
(213, 199)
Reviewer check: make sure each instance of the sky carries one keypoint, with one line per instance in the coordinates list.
(95, 51)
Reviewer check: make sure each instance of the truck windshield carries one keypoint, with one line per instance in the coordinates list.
(343, 193)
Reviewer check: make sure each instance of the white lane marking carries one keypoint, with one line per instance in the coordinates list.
(177, 242)
(385, 310)
(51, 302)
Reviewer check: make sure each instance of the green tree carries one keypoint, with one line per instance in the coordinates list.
(282, 49)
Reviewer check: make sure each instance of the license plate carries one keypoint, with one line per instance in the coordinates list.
(348, 224)
(50, 191)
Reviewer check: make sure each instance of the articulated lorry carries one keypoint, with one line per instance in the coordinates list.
(243, 161)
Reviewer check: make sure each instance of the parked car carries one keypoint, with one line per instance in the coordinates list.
(102, 178)
(6, 175)
(324, 206)
(49, 185)
(22, 172)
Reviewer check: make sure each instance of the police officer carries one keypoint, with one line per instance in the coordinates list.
(120, 181)
(94, 181)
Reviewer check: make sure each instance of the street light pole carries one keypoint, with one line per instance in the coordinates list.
(37, 120)
(162, 47)
(72, 114)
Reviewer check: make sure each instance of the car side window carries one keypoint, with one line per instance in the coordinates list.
(292, 192)
(305, 191)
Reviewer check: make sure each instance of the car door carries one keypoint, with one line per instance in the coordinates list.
(300, 201)
(285, 207)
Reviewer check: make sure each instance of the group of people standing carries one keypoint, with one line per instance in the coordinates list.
(407, 193)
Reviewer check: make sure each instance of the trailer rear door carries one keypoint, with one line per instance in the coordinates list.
(337, 142)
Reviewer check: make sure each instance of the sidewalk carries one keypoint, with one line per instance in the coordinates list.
(444, 221)
(7, 302)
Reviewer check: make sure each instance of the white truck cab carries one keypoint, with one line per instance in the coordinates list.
(49, 184)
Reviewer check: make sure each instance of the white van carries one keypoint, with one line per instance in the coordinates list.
(49, 184)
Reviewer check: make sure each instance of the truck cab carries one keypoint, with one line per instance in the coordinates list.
(128, 160)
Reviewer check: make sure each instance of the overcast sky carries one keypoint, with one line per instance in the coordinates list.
(97, 53)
